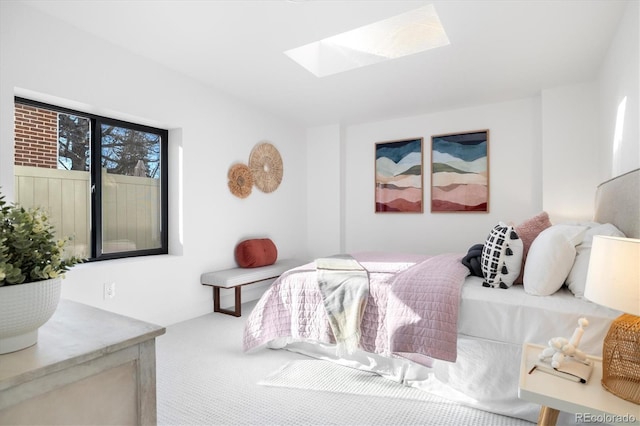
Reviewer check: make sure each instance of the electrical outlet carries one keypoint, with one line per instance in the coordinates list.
(109, 290)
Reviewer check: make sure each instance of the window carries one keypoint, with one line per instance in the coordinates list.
(102, 181)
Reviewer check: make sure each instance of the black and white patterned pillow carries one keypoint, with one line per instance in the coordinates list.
(501, 257)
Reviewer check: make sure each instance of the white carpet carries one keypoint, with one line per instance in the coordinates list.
(204, 378)
(325, 376)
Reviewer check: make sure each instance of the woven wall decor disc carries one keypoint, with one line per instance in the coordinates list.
(266, 166)
(240, 180)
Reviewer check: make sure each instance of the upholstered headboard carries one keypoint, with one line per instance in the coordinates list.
(618, 202)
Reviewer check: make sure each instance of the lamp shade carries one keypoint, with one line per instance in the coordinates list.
(613, 278)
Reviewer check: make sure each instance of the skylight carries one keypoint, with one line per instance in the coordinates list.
(401, 35)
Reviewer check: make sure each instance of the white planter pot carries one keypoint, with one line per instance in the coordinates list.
(23, 309)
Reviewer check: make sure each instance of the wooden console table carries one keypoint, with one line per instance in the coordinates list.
(89, 366)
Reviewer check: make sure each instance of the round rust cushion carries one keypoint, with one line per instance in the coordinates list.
(256, 252)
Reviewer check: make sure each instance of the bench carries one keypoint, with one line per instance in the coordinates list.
(237, 277)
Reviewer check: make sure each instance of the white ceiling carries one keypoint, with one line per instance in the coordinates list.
(500, 50)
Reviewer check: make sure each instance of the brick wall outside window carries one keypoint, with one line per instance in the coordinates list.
(36, 137)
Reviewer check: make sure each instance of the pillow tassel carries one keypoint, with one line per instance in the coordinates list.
(505, 271)
(508, 252)
(513, 235)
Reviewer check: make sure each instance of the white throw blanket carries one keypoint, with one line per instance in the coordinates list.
(344, 285)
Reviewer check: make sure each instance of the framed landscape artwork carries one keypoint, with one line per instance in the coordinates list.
(460, 172)
(399, 177)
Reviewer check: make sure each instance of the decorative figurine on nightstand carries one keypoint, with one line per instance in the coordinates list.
(560, 347)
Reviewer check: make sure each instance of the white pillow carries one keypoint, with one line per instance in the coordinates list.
(501, 257)
(577, 278)
(550, 258)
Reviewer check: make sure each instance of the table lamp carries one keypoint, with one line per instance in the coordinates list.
(613, 280)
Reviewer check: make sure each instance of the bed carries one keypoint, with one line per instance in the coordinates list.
(406, 331)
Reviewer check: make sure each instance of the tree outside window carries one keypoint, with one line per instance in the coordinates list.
(103, 181)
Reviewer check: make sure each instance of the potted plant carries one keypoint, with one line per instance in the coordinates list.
(32, 263)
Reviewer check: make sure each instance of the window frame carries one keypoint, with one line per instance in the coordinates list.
(95, 184)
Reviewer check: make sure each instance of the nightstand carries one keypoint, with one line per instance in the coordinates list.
(589, 401)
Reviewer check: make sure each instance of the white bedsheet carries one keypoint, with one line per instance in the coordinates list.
(492, 326)
(513, 316)
(485, 375)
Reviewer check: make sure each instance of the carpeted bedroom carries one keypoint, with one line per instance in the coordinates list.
(204, 377)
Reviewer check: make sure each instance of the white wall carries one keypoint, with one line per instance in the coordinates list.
(547, 153)
(208, 132)
(620, 79)
(325, 197)
(572, 166)
(515, 181)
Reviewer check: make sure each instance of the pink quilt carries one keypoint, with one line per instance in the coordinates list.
(412, 309)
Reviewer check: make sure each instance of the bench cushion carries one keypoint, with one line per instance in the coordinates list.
(240, 276)
(255, 253)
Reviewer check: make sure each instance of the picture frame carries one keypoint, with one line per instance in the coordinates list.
(460, 172)
(399, 178)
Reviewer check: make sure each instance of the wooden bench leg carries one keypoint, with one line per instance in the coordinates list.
(237, 311)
